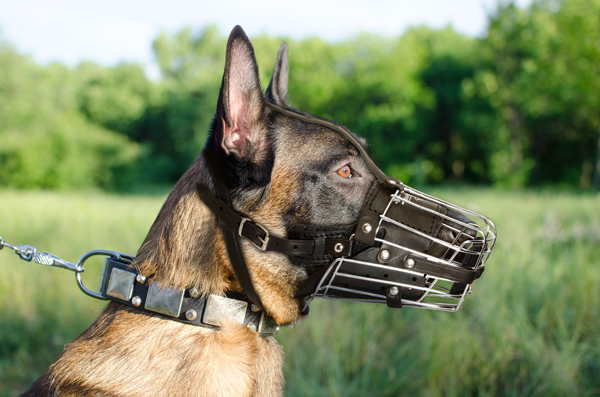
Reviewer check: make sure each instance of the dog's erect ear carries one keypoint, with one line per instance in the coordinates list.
(241, 99)
(278, 87)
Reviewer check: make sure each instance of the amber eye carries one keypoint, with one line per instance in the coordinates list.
(345, 172)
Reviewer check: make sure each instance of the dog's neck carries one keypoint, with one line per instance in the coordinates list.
(182, 250)
(184, 247)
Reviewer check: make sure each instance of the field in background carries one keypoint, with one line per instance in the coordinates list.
(531, 327)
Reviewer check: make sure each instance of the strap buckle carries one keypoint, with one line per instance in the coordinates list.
(264, 240)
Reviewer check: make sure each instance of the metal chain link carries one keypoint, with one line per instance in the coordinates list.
(29, 253)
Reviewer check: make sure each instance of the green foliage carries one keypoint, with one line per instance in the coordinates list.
(541, 81)
(69, 152)
(531, 326)
(371, 85)
(45, 142)
(517, 107)
(115, 98)
(176, 128)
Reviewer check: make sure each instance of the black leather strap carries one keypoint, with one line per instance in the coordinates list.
(263, 240)
(457, 274)
(378, 199)
(236, 257)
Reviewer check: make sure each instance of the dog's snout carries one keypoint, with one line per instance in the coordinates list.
(457, 228)
(460, 232)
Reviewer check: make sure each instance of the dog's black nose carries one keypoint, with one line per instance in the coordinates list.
(459, 231)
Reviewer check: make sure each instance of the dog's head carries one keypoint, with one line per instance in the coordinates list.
(304, 178)
(283, 173)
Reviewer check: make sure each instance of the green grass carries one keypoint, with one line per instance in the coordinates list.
(42, 308)
(531, 326)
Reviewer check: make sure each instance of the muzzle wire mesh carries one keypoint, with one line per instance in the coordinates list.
(430, 276)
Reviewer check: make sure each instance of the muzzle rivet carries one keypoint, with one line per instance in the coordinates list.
(191, 314)
(410, 263)
(384, 255)
(140, 279)
(194, 293)
(252, 326)
(394, 291)
(339, 247)
(136, 301)
(367, 228)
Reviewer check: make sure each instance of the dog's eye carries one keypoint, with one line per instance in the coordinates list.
(345, 172)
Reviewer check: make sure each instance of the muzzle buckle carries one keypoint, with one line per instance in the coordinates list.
(263, 240)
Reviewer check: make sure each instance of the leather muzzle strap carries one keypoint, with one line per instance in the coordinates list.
(236, 257)
(263, 240)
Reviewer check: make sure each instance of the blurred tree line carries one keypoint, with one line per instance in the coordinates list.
(517, 107)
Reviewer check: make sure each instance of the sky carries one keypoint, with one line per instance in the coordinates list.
(113, 31)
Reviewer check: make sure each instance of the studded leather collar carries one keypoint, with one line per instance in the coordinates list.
(122, 284)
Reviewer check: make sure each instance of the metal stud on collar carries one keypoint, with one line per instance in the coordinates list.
(136, 301)
(191, 314)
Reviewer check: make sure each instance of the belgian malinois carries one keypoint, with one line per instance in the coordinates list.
(281, 172)
(291, 177)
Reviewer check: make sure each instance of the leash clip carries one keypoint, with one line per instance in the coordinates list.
(31, 254)
(26, 252)
(264, 240)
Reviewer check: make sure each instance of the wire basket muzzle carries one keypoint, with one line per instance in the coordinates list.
(424, 252)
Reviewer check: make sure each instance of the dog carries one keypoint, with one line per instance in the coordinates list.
(193, 313)
(281, 172)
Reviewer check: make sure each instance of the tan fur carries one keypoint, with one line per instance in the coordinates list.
(269, 268)
(189, 361)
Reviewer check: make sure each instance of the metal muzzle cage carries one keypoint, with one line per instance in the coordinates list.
(424, 252)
